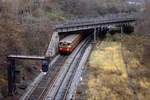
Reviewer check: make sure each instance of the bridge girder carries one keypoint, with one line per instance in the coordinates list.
(92, 25)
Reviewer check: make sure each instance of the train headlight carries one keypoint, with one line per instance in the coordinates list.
(60, 48)
(69, 46)
(68, 49)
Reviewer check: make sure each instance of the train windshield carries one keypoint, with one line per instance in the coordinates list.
(68, 45)
(64, 44)
(60, 43)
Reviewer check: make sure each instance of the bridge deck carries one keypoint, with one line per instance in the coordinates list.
(96, 22)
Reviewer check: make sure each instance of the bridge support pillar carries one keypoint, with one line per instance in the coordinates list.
(122, 32)
(99, 33)
(95, 32)
(11, 77)
(53, 45)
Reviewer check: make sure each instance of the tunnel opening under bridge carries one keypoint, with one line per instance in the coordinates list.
(86, 32)
(96, 33)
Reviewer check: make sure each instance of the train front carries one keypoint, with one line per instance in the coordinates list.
(64, 48)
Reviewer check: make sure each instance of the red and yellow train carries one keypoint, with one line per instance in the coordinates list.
(69, 43)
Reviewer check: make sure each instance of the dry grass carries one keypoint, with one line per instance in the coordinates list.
(108, 77)
(108, 57)
(139, 73)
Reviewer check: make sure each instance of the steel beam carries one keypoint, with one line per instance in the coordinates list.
(93, 24)
(26, 57)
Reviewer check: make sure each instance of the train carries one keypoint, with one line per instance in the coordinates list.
(70, 42)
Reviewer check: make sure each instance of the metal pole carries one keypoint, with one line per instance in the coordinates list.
(11, 77)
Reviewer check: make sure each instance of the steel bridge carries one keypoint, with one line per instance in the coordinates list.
(97, 22)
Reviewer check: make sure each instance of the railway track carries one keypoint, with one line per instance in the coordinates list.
(59, 89)
(39, 92)
(67, 80)
(75, 80)
(58, 72)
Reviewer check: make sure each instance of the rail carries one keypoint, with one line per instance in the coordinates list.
(72, 86)
(36, 81)
(48, 79)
